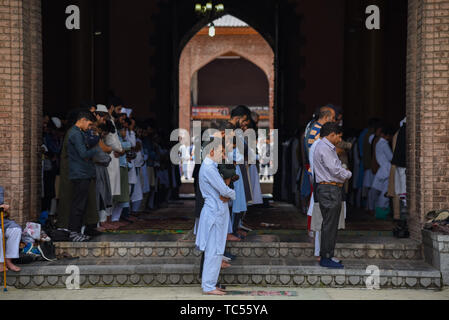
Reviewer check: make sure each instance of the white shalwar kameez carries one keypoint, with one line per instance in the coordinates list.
(384, 155)
(13, 235)
(213, 224)
(312, 199)
(255, 184)
(112, 140)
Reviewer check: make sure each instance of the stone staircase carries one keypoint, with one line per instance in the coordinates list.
(262, 261)
(408, 250)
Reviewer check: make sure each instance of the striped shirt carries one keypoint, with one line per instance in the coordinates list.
(314, 134)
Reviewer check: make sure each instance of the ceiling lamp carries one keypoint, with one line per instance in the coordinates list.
(211, 30)
(219, 8)
(209, 9)
(211, 12)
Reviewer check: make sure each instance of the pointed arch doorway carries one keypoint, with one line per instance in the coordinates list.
(234, 39)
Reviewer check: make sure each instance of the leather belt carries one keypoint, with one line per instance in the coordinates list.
(340, 185)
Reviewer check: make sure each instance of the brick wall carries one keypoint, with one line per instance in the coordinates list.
(20, 105)
(427, 109)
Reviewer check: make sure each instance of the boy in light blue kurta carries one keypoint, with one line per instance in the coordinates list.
(214, 219)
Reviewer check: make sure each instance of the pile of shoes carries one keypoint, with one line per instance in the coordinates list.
(438, 221)
(38, 250)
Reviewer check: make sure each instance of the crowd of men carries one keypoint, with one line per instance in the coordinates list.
(109, 169)
(377, 166)
(220, 186)
(101, 168)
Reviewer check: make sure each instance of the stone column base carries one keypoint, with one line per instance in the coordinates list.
(436, 252)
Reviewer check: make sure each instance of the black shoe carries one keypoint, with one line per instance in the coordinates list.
(92, 232)
(230, 256)
(329, 263)
(123, 219)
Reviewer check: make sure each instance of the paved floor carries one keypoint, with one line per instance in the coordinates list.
(180, 216)
(194, 293)
(297, 236)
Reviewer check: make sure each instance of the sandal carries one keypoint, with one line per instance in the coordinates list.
(109, 226)
(77, 237)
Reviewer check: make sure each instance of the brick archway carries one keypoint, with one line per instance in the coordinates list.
(202, 49)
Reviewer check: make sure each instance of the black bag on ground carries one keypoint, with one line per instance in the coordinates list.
(59, 235)
(47, 250)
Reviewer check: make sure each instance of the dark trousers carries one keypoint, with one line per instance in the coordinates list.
(49, 189)
(329, 198)
(235, 225)
(79, 204)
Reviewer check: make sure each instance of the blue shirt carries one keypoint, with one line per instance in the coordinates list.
(53, 144)
(150, 151)
(311, 135)
(314, 134)
(81, 165)
(91, 138)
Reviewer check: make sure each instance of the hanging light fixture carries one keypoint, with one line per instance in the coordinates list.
(209, 9)
(219, 8)
(211, 30)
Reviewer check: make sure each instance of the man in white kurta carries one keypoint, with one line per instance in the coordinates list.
(186, 159)
(112, 140)
(135, 189)
(312, 205)
(13, 234)
(213, 224)
(384, 155)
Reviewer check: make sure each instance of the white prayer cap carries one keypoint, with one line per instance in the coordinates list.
(56, 122)
(102, 108)
(127, 111)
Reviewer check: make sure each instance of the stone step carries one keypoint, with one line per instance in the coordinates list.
(401, 249)
(158, 272)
